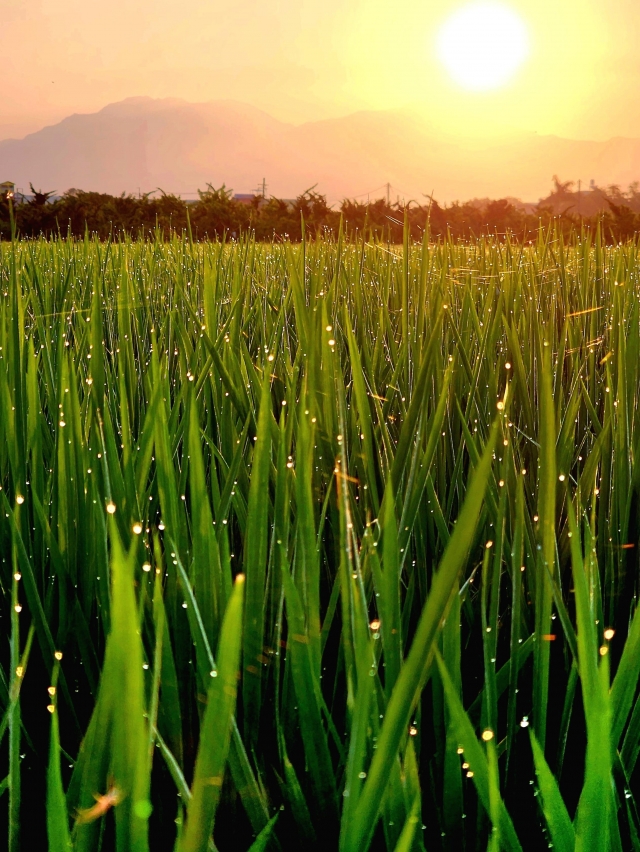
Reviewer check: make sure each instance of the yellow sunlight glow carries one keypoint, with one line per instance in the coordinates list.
(482, 45)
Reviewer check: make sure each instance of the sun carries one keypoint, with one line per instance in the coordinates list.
(482, 45)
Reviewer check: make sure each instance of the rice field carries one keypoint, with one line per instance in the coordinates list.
(329, 546)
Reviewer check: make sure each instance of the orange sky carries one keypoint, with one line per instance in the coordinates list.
(304, 59)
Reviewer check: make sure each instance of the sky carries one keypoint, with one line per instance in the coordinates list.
(310, 59)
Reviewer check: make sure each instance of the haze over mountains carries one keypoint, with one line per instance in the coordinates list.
(140, 144)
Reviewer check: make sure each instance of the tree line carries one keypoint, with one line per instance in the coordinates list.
(218, 215)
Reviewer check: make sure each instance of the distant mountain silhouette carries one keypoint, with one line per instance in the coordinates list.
(144, 143)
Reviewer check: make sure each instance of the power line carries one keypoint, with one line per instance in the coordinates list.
(262, 189)
(370, 192)
(387, 187)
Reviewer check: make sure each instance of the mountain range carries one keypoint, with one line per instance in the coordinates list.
(141, 144)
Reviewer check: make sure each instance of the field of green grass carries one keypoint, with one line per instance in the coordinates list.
(330, 546)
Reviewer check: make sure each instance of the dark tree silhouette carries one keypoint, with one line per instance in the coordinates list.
(562, 187)
(40, 198)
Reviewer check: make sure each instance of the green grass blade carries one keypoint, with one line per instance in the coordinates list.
(58, 834)
(484, 778)
(215, 733)
(553, 806)
(546, 566)
(309, 702)
(407, 837)
(416, 669)
(625, 681)
(261, 843)
(255, 566)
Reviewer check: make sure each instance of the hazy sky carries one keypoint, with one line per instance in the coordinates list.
(305, 59)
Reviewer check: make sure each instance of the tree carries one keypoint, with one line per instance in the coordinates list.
(40, 198)
(562, 187)
(217, 214)
(623, 221)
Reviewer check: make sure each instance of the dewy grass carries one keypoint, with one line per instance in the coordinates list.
(329, 546)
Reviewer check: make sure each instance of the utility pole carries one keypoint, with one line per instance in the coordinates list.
(579, 196)
(388, 194)
(262, 189)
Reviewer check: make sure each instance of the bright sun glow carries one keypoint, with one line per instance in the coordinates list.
(482, 45)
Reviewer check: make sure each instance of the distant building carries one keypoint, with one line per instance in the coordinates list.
(7, 189)
(247, 198)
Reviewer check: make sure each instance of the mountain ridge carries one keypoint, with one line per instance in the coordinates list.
(142, 143)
